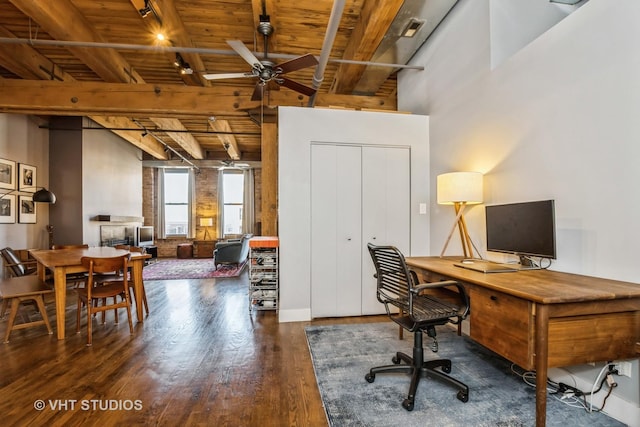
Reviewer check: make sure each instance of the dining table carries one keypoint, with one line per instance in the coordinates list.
(61, 262)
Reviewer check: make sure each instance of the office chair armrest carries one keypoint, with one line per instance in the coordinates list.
(462, 293)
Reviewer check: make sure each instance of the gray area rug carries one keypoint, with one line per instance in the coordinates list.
(343, 354)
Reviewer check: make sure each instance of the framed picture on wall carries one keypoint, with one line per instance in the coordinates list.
(27, 178)
(7, 174)
(26, 210)
(8, 209)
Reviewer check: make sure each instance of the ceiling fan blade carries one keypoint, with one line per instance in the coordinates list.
(227, 76)
(258, 92)
(245, 53)
(298, 63)
(298, 87)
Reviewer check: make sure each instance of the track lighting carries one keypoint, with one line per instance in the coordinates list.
(144, 12)
(147, 9)
(182, 65)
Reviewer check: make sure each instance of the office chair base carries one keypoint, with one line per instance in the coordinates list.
(438, 368)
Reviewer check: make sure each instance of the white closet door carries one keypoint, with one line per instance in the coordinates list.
(386, 216)
(335, 230)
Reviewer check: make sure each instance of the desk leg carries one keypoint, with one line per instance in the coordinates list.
(60, 286)
(137, 287)
(542, 358)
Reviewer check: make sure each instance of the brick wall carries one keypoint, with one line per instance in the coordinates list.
(207, 205)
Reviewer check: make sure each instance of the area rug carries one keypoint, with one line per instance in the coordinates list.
(343, 354)
(196, 268)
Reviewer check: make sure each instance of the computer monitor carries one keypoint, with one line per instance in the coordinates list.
(524, 229)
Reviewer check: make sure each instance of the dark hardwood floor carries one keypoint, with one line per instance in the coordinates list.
(199, 358)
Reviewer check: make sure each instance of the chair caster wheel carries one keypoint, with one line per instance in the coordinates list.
(407, 404)
(370, 378)
(395, 360)
(462, 396)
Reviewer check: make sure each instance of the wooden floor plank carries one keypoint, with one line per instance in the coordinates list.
(200, 358)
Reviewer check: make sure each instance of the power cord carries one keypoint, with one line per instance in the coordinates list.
(571, 395)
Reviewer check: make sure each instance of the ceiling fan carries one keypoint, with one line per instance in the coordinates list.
(265, 70)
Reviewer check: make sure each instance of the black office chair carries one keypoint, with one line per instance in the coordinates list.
(419, 309)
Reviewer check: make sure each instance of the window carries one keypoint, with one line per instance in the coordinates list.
(176, 202)
(233, 195)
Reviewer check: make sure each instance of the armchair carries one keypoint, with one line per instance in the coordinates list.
(15, 265)
(421, 307)
(233, 251)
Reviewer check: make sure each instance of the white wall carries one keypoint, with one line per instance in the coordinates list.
(556, 120)
(22, 141)
(298, 127)
(112, 180)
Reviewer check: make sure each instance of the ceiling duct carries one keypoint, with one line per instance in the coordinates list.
(413, 25)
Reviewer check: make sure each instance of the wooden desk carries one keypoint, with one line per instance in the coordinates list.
(541, 319)
(64, 261)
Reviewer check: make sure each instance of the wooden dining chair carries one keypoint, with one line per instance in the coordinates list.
(21, 291)
(141, 250)
(92, 294)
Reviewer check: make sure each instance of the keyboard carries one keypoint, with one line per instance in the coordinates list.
(485, 266)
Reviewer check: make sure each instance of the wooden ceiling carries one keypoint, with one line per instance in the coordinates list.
(96, 58)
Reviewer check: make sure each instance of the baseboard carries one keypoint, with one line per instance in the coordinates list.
(616, 407)
(299, 315)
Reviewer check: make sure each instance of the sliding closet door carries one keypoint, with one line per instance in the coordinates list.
(386, 215)
(335, 230)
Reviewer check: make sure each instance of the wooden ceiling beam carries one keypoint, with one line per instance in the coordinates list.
(373, 24)
(56, 17)
(88, 98)
(228, 140)
(27, 63)
(146, 143)
(107, 63)
(178, 34)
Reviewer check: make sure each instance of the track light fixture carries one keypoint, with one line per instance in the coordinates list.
(147, 9)
(182, 65)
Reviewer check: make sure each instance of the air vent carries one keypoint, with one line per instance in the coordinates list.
(412, 28)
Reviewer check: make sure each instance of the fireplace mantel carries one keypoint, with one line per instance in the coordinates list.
(116, 218)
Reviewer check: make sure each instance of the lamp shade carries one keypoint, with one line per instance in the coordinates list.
(44, 196)
(206, 222)
(457, 187)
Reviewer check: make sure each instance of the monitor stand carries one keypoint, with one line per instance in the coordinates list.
(527, 264)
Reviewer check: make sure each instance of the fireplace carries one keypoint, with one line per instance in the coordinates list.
(111, 235)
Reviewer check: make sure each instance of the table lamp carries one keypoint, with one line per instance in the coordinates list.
(206, 223)
(460, 189)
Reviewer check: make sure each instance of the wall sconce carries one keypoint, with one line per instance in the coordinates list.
(206, 223)
(460, 189)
